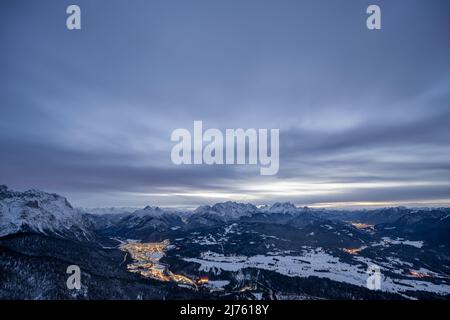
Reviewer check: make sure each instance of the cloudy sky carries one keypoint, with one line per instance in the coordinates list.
(364, 116)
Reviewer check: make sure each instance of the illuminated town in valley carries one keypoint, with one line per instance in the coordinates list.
(147, 263)
(362, 226)
(354, 250)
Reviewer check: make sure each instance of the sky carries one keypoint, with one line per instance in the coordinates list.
(364, 115)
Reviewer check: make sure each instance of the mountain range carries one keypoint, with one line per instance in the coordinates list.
(227, 250)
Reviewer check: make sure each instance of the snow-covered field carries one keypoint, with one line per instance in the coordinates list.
(315, 262)
(386, 241)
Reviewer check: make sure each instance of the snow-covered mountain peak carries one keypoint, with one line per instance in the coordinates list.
(229, 209)
(150, 212)
(282, 207)
(41, 212)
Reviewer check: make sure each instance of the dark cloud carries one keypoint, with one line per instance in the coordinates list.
(90, 113)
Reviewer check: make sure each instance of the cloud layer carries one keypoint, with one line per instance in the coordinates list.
(364, 116)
